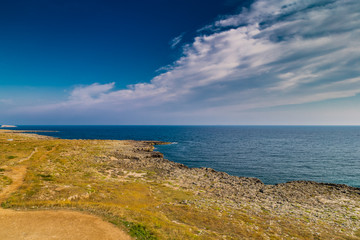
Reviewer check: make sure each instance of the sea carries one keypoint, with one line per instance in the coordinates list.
(274, 154)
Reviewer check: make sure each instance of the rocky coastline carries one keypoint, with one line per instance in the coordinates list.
(170, 200)
(334, 204)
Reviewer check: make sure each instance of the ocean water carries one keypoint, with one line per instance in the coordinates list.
(274, 154)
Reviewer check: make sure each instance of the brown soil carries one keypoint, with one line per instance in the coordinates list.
(39, 225)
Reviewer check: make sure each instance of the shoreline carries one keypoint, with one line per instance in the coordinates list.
(156, 142)
(243, 151)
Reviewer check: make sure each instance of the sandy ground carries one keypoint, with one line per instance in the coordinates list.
(41, 225)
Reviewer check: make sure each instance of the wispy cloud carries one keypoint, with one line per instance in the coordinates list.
(6, 101)
(277, 52)
(175, 41)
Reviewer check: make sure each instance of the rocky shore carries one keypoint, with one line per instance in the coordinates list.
(334, 204)
(134, 187)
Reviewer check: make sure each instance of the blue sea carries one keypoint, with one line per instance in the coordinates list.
(274, 154)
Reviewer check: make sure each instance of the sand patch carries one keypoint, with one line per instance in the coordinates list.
(39, 225)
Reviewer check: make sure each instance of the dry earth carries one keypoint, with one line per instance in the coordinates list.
(40, 225)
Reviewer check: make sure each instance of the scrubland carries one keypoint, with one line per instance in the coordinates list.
(129, 185)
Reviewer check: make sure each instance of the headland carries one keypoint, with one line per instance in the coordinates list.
(129, 185)
(8, 126)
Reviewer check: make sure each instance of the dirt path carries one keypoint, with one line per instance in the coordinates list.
(17, 175)
(28, 157)
(40, 225)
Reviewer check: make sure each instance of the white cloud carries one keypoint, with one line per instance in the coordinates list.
(175, 41)
(90, 93)
(278, 52)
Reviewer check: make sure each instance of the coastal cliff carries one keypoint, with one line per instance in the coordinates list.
(149, 197)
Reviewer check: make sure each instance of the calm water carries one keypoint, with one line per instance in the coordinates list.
(273, 154)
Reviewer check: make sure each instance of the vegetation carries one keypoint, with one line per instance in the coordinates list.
(86, 175)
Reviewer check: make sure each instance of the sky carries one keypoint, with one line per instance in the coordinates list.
(180, 62)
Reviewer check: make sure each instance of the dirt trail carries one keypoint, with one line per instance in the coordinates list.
(17, 175)
(28, 157)
(40, 225)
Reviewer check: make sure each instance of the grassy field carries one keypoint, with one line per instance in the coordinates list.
(97, 177)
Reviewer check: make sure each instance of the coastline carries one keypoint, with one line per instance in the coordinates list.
(8, 126)
(304, 204)
(272, 154)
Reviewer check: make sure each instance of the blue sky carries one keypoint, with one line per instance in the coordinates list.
(180, 62)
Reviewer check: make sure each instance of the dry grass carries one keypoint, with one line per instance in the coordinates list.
(80, 175)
